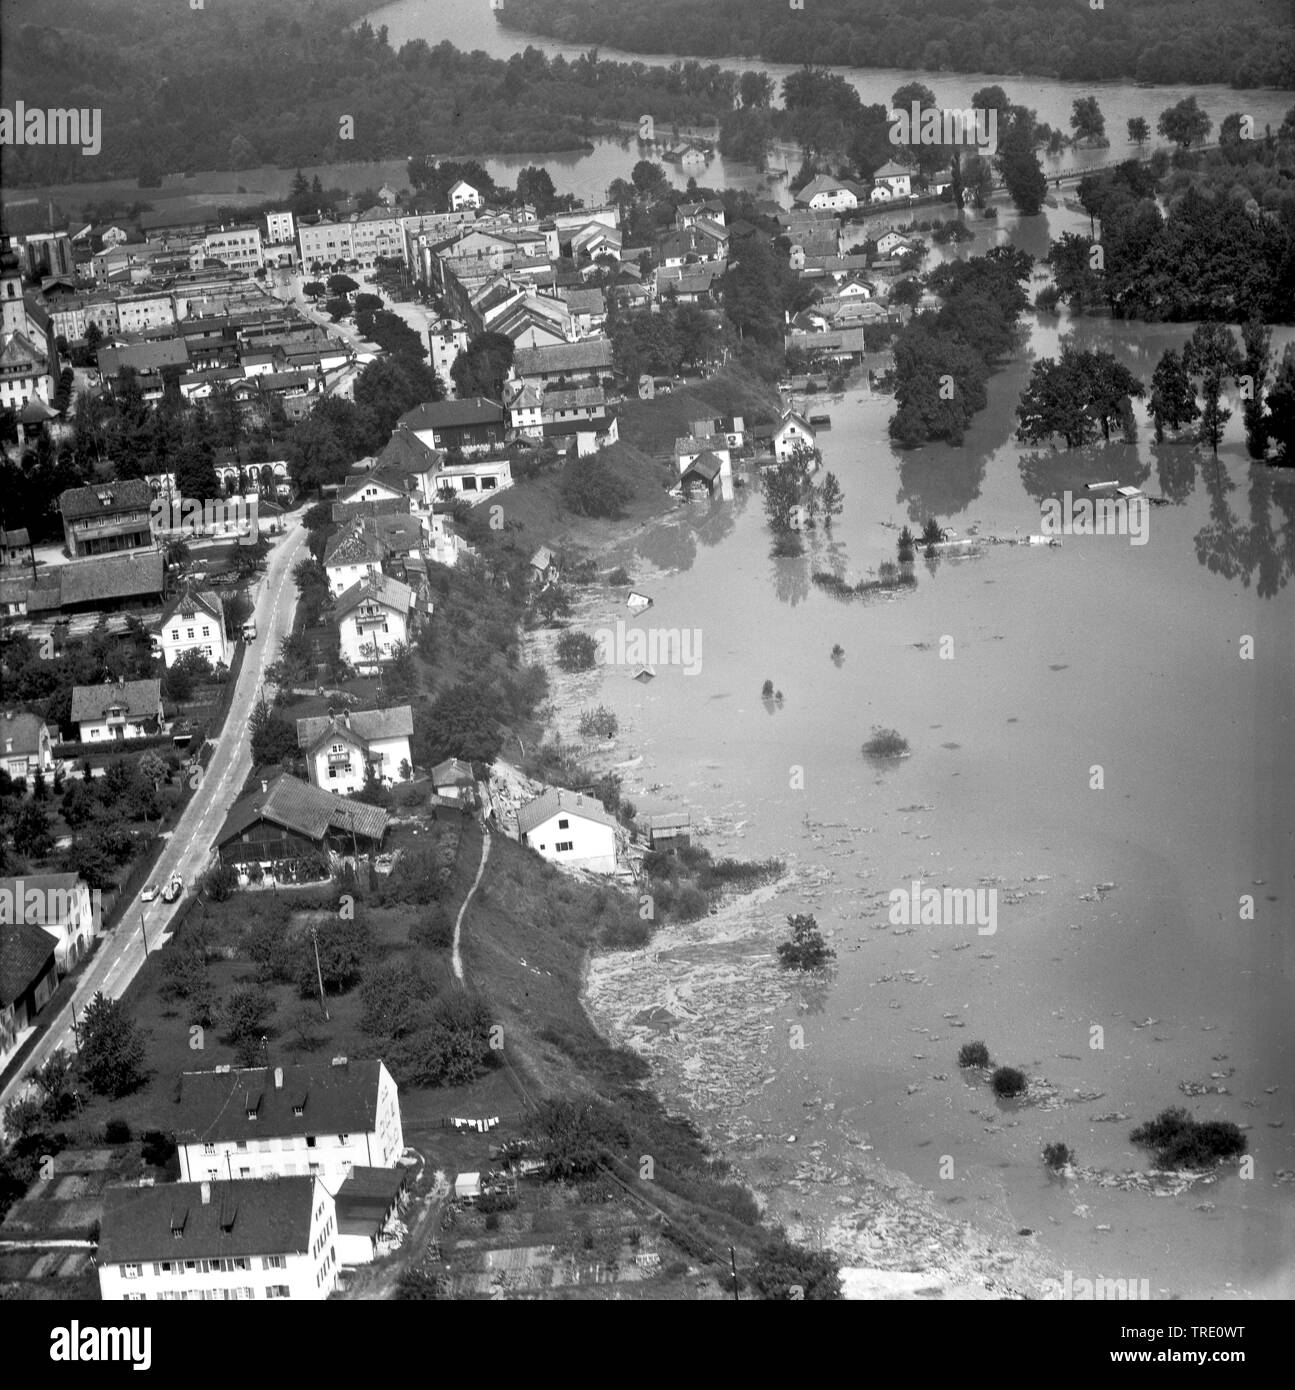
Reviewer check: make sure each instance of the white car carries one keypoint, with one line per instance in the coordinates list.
(149, 893)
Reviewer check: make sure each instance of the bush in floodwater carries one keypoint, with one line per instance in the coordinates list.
(838, 652)
(618, 576)
(598, 723)
(885, 743)
(1180, 1141)
(806, 950)
(577, 651)
(932, 532)
(1008, 1082)
(973, 1054)
(1058, 1156)
(766, 691)
(1047, 299)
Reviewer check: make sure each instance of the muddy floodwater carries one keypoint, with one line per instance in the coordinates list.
(1087, 739)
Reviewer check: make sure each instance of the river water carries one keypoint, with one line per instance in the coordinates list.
(1098, 660)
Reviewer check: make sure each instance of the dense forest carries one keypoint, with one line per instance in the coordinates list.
(1247, 43)
(238, 84)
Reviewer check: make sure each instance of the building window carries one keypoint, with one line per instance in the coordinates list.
(343, 1138)
(274, 1262)
(564, 824)
(564, 845)
(131, 1271)
(310, 1141)
(276, 1291)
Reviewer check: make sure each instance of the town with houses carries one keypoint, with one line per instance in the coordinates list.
(355, 548)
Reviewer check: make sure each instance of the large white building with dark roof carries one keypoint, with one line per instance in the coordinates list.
(571, 830)
(316, 1118)
(218, 1241)
(339, 749)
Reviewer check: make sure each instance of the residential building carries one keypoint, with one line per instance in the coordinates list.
(106, 517)
(317, 1118)
(571, 830)
(341, 750)
(280, 228)
(28, 979)
(446, 338)
(452, 780)
(792, 431)
(237, 247)
(26, 745)
(374, 617)
(137, 313)
(15, 549)
(217, 1241)
(895, 178)
(60, 904)
(463, 195)
(289, 827)
(589, 359)
(324, 244)
(194, 621)
(117, 710)
(474, 425)
(127, 580)
(474, 478)
(525, 412)
(690, 448)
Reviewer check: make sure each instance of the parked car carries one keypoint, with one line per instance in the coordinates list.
(149, 893)
(173, 890)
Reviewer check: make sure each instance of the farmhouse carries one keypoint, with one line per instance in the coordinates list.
(218, 1240)
(341, 750)
(106, 517)
(289, 827)
(569, 829)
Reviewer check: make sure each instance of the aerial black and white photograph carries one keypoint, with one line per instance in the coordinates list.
(646, 655)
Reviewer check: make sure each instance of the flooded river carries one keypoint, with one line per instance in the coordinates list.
(1099, 655)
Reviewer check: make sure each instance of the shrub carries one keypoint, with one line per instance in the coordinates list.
(221, 883)
(766, 691)
(1058, 1156)
(973, 1054)
(618, 576)
(434, 929)
(116, 1131)
(576, 651)
(1047, 299)
(1008, 1082)
(492, 1220)
(932, 532)
(490, 1203)
(885, 743)
(1183, 1142)
(806, 950)
(598, 723)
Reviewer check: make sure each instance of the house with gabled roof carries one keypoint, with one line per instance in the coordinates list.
(26, 745)
(130, 579)
(61, 904)
(473, 425)
(452, 780)
(117, 710)
(194, 621)
(463, 195)
(28, 979)
(792, 431)
(525, 411)
(318, 1118)
(374, 617)
(288, 826)
(538, 366)
(341, 749)
(244, 1240)
(104, 517)
(691, 447)
(896, 179)
(827, 193)
(569, 829)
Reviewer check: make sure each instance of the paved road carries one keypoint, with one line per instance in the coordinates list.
(188, 851)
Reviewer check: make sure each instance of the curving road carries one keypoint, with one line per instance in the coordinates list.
(188, 850)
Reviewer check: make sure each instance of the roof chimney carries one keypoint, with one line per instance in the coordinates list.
(206, 1194)
(278, 1078)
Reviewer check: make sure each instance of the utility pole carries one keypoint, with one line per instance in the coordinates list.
(144, 932)
(732, 1255)
(319, 974)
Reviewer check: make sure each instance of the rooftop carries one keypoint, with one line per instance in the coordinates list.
(560, 799)
(137, 698)
(305, 810)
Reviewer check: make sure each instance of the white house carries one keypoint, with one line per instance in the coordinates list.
(369, 489)
(895, 178)
(463, 195)
(525, 411)
(340, 748)
(60, 904)
(569, 829)
(792, 430)
(890, 243)
(214, 1241)
(26, 745)
(368, 1203)
(194, 621)
(452, 780)
(473, 478)
(691, 447)
(374, 617)
(117, 710)
(316, 1118)
(826, 193)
